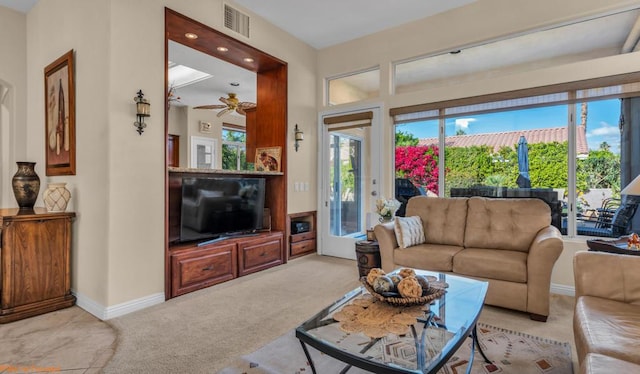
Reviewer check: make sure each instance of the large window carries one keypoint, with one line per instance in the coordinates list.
(564, 151)
(353, 87)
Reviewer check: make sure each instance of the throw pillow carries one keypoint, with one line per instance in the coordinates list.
(409, 231)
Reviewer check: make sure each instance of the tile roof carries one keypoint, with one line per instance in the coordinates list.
(510, 138)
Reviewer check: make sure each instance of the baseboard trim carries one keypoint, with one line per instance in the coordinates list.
(105, 313)
(562, 289)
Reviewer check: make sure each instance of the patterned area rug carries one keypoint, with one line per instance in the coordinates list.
(511, 352)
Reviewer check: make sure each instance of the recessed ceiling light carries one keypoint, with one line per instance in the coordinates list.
(455, 52)
(234, 84)
(222, 49)
(191, 35)
(248, 59)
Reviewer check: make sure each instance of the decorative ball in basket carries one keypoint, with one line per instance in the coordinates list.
(403, 288)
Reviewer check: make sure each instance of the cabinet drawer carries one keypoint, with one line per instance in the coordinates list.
(303, 236)
(200, 268)
(259, 254)
(303, 247)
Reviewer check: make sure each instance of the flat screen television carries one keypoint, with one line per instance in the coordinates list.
(219, 207)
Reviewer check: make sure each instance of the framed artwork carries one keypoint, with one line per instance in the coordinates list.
(268, 159)
(60, 116)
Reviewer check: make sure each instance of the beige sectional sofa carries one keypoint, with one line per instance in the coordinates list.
(606, 320)
(508, 242)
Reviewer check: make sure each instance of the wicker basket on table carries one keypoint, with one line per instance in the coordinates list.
(435, 291)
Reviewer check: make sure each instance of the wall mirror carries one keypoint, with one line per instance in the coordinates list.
(196, 79)
(208, 68)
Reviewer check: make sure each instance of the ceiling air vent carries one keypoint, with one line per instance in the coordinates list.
(236, 20)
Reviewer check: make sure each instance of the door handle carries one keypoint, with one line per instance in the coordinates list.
(374, 193)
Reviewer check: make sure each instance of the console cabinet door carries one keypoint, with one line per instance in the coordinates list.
(258, 254)
(35, 263)
(39, 252)
(196, 269)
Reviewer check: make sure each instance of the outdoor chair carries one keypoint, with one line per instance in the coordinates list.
(405, 189)
(611, 225)
(602, 216)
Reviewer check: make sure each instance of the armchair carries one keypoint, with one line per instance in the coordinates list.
(606, 320)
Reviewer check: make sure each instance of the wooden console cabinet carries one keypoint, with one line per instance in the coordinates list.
(35, 263)
(303, 243)
(194, 267)
(260, 253)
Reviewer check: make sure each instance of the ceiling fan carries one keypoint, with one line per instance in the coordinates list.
(231, 103)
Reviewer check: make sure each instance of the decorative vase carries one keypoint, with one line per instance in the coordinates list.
(26, 185)
(56, 197)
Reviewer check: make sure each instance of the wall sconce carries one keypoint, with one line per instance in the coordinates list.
(143, 109)
(299, 136)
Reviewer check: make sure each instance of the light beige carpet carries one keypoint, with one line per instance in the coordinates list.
(205, 331)
(510, 352)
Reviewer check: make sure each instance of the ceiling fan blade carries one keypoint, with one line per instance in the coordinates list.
(223, 112)
(225, 100)
(214, 106)
(240, 111)
(246, 105)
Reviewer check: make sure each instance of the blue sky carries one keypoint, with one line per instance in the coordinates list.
(602, 122)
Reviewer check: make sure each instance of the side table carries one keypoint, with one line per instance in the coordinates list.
(368, 255)
(617, 246)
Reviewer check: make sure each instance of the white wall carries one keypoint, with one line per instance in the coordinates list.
(118, 192)
(469, 25)
(136, 173)
(177, 122)
(53, 28)
(13, 83)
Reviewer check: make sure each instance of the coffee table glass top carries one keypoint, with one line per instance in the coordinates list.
(427, 342)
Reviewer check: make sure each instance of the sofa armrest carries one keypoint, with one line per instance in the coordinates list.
(543, 254)
(386, 237)
(607, 275)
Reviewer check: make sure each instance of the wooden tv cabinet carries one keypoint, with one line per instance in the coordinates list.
(35, 256)
(189, 267)
(195, 267)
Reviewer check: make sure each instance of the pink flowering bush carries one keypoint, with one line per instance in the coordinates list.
(419, 164)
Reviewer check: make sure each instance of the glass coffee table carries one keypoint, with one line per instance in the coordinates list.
(429, 339)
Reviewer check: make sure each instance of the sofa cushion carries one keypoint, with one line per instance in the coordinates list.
(492, 264)
(443, 219)
(597, 363)
(433, 257)
(607, 327)
(409, 231)
(509, 224)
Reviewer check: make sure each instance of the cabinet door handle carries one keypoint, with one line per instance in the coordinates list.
(208, 268)
(263, 254)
